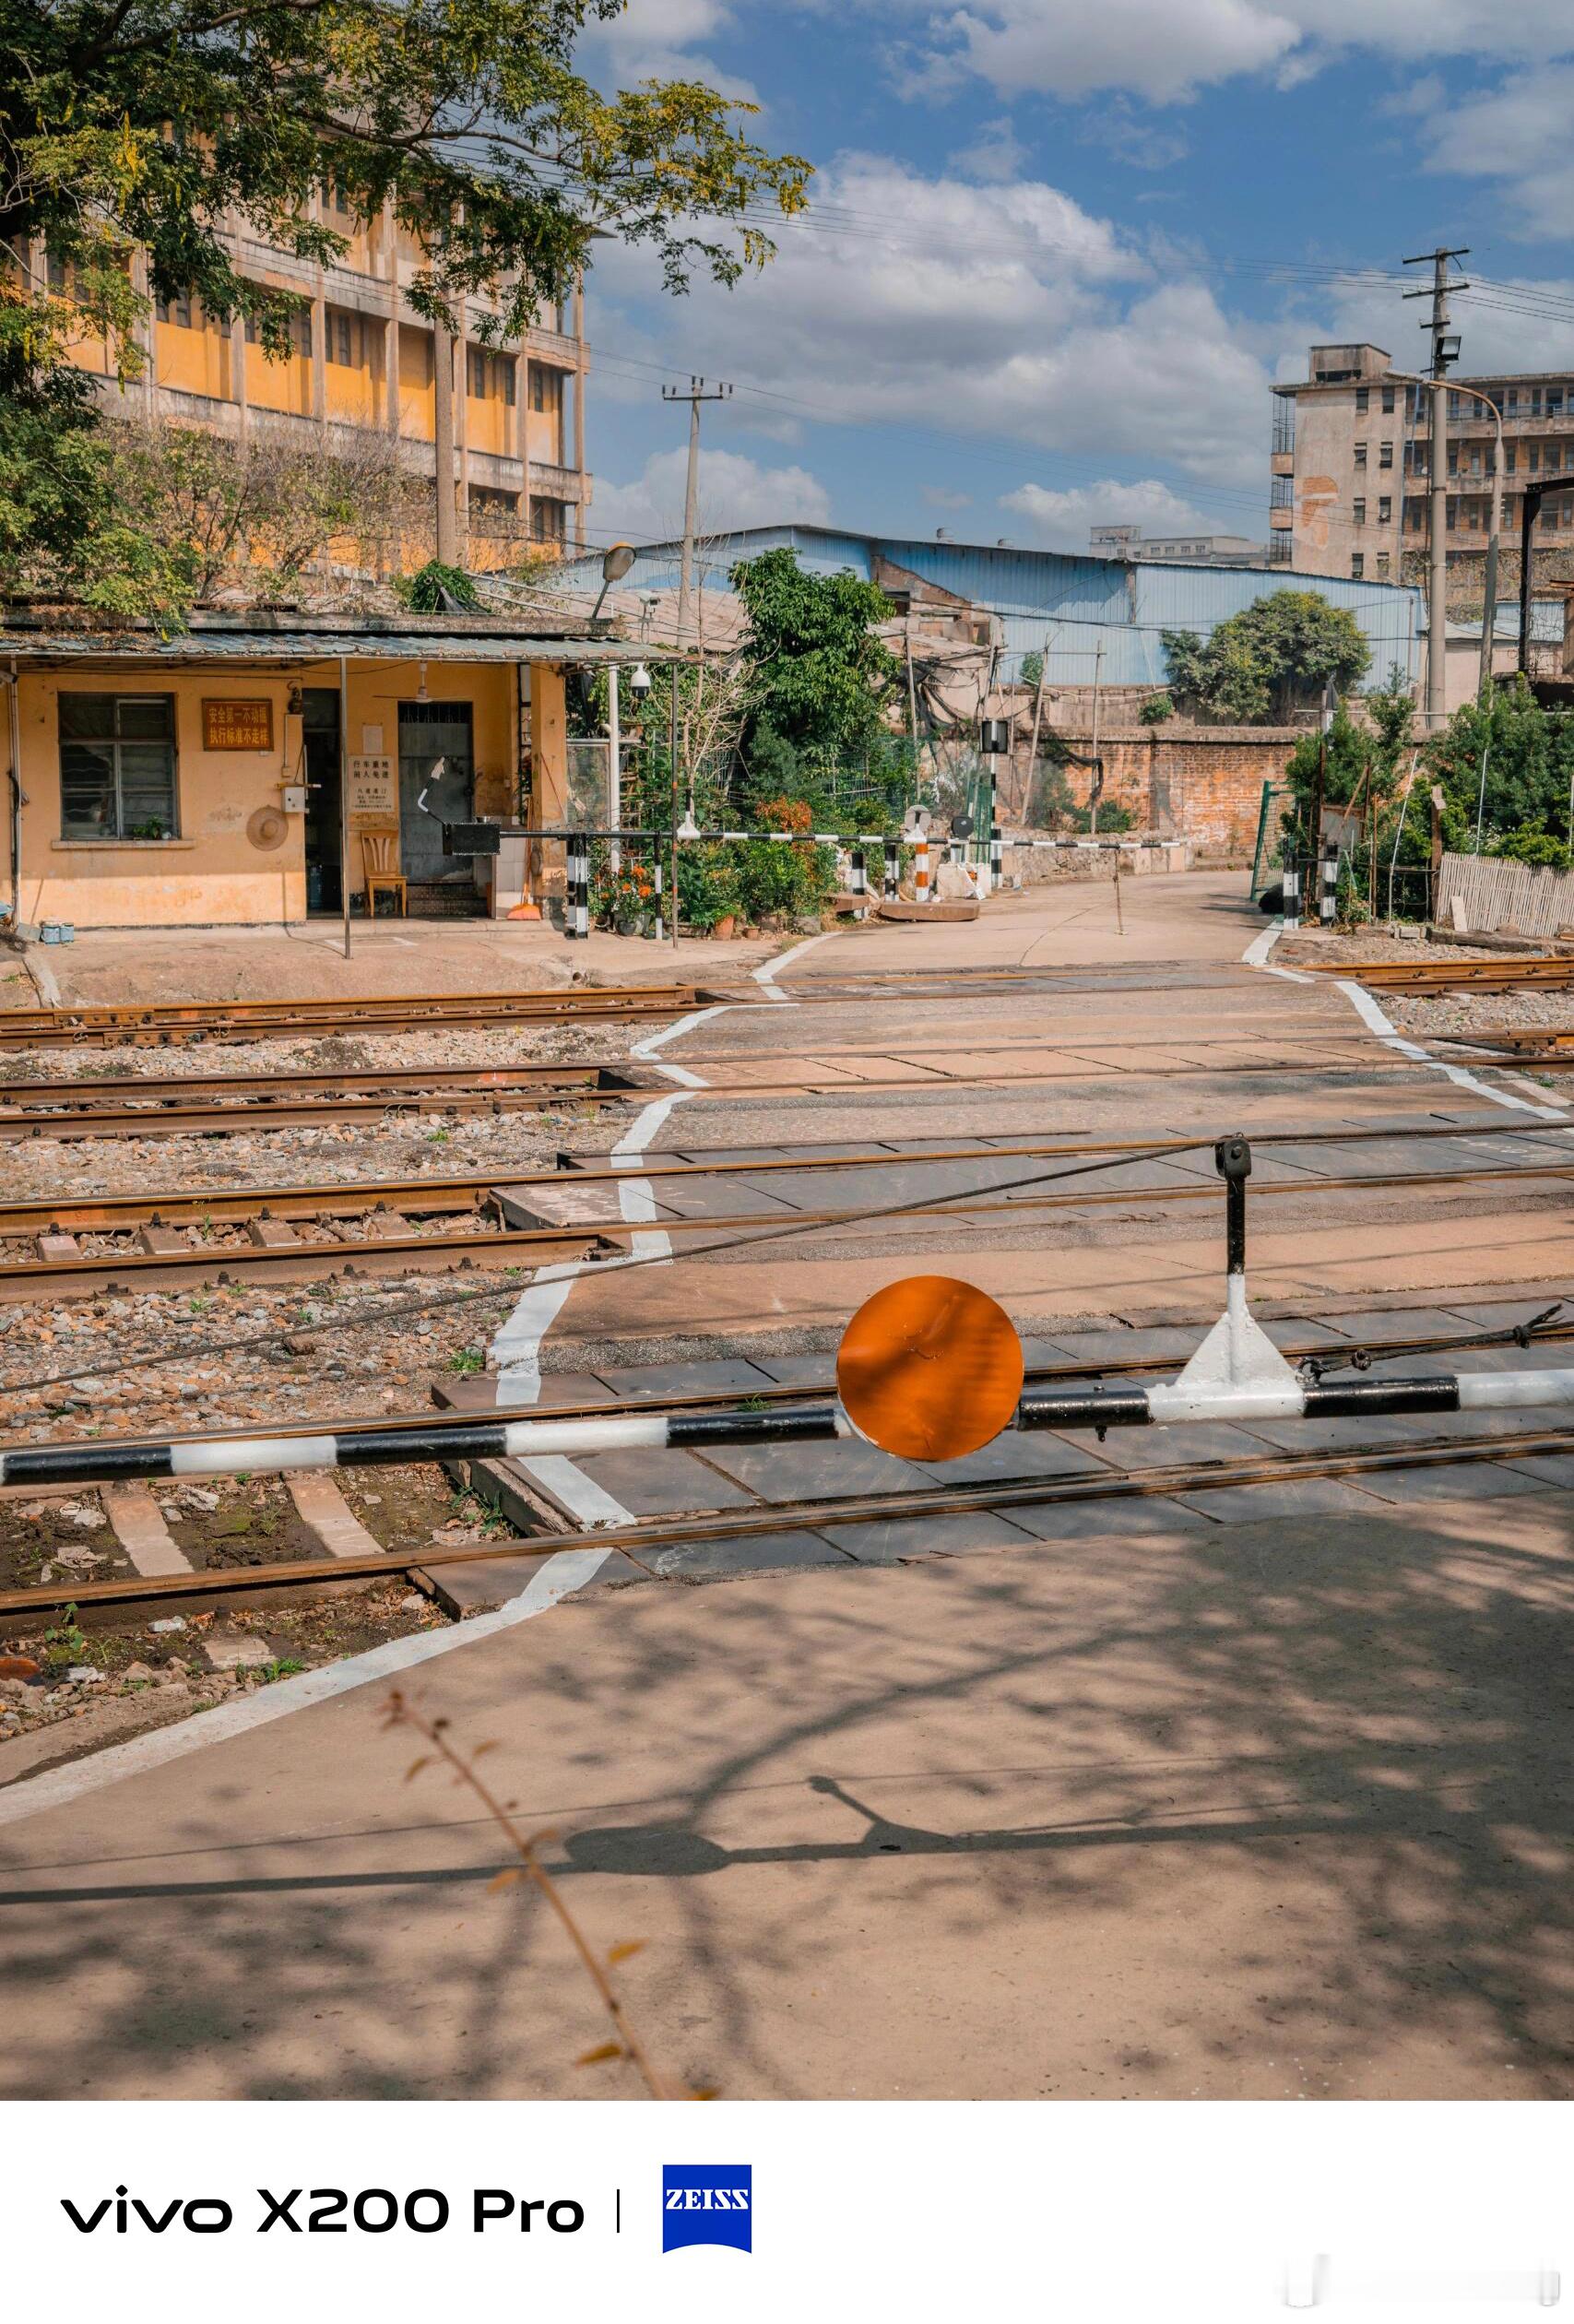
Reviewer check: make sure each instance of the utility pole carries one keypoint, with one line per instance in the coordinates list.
(1445, 350)
(693, 395)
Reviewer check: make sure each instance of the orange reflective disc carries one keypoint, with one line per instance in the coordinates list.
(929, 1368)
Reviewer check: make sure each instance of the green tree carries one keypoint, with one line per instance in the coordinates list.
(1529, 755)
(1274, 658)
(817, 676)
(160, 125)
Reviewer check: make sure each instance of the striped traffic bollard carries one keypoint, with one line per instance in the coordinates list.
(582, 901)
(921, 870)
(858, 883)
(659, 925)
(1292, 895)
(997, 856)
(571, 887)
(1328, 900)
(893, 871)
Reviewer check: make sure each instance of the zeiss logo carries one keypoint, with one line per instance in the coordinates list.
(707, 2202)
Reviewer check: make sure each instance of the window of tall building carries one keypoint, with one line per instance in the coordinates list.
(491, 375)
(1357, 566)
(1385, 456)
(1358, 511)
(1382, 564)
(117, 766)
(1363, 397)
(1554, 401)
(1360, 455)
(549, 521)
(1533, 458)
(1388, 399)
(182, 309)
(299, 325)
(1385, 510)
(348, 339)
(1535, 403)
(546, 389)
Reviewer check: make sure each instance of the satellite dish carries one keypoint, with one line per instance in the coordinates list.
(962, 826)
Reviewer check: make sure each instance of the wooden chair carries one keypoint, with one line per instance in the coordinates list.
(380, 857)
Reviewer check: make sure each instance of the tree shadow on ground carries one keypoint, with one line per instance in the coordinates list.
(1306, 1785)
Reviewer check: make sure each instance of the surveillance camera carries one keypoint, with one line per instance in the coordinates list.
(639, 678)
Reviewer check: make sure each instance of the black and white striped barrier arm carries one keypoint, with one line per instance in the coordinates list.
(381, 1448)
(1236, 1374)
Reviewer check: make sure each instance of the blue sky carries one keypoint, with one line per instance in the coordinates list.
(1056, 250)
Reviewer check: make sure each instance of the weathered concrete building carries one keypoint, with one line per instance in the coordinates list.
(246, 771)
(364, 361)
(1351, 464)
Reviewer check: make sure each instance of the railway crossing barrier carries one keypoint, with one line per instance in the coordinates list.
(928, 1367)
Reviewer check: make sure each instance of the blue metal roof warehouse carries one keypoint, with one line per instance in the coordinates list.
(1035, 592)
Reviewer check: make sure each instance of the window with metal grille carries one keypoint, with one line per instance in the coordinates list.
(1357, 566)
(117, 766)
(1360, 455)
(1358, 511)
(1385, 456)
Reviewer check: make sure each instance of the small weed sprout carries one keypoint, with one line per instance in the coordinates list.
(400, 1712)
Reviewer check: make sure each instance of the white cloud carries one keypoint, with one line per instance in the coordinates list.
(734, 491)
(1517, 134)
(1165, 51)
(986, 312)
(1159, 48)
(661, 39)
(1063, 520)
(996, 156)
(1534, 331)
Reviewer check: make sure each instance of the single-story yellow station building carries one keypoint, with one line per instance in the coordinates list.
(245, 770)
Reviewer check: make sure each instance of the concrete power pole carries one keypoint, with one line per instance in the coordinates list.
(693, 395)
(1445, 350)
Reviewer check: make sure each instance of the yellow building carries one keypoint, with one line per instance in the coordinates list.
(362, 358)
(237, 773)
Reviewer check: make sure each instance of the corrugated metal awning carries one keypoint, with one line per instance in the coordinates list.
(277, 649)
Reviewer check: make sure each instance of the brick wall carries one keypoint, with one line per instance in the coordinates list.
(1204, 784)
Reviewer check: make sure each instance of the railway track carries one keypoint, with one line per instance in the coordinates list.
(192, 1105)
(84, 1024)
(1448, 976)
(146, 1106)
(50, 1250)
(36, 1604)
